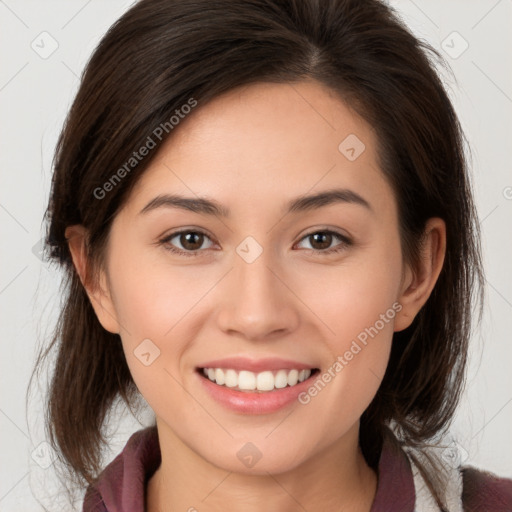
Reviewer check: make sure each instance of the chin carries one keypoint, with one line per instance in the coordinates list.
(251, 458)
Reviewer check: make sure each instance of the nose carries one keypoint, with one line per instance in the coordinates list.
(258, 301)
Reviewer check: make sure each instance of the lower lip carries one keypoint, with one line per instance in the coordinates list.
(255, 403)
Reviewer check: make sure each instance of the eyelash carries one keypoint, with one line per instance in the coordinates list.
(345, 242)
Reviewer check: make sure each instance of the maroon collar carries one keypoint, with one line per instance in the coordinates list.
(122, 485)
(395, 488)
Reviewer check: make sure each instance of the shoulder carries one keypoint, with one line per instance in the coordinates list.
(485, 492)
(93, 502)
(122, 482)
(461, 488)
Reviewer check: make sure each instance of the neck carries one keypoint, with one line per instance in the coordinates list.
(336, 479)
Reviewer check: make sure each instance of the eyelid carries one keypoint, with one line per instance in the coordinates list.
(327, 229)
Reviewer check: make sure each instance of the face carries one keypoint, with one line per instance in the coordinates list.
(269, 287)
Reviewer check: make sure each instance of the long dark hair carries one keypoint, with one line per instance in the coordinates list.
(162, 53)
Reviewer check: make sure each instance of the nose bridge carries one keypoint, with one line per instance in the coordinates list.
(258, 303)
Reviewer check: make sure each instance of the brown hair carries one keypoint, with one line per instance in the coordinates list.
(160, 54)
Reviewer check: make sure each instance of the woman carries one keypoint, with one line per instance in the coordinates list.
(265, 216)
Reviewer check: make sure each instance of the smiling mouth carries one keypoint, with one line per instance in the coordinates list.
(261, 382)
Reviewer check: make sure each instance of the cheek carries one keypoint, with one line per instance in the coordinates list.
(154, 302)
(351, 297)
(152, 297)
(357, 303)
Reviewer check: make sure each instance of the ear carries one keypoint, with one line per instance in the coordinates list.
(98, 290)
(418, 284)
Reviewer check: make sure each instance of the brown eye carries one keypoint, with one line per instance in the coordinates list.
(191, 241)
(186, 243)
(321, 242)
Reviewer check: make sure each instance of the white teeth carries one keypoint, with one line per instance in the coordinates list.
(250, 381)
(246, 380)
(281, 379)
(265, 381)
(219, 376)
(231, 378)
(293, 377)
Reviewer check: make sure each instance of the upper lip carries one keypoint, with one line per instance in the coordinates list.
(256, 365)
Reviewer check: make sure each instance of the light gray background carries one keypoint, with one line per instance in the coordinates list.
(36, 92)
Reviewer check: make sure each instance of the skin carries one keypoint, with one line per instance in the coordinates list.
(252, 150)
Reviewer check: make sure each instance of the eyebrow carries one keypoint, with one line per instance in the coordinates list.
(206, 206)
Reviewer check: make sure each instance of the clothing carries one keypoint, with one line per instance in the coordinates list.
(121, 486)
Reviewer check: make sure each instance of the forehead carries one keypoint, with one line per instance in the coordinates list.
(263, 143)
(290, 119)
